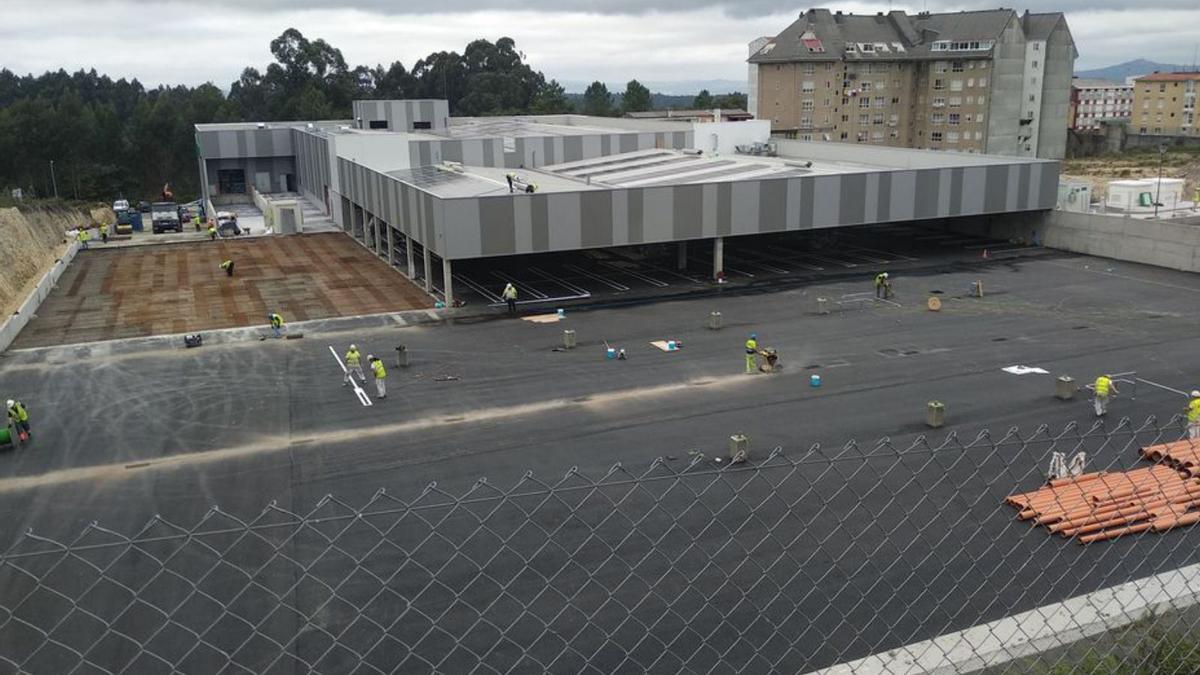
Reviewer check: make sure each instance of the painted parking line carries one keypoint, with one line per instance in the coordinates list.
(662, 270)
(596, 277)
(890, 255)
(727, 268)
(478, 288)
(756, 261)
(521, 286)
(659, 283)
(363, 397)
(561, 282)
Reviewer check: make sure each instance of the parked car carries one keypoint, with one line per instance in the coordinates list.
(120, 205)
(165, 216)
(227, 225)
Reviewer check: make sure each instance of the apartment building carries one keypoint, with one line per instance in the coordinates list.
(1165, 103)
(991, 81)
(1095, 101)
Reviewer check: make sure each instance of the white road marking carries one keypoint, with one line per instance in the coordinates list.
(1055, 625)
(1163, 386)
(363, 398)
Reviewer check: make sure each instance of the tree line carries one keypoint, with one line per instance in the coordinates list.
(93, 138)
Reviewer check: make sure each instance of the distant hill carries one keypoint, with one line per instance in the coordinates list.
(1128, 69)
(668, 87)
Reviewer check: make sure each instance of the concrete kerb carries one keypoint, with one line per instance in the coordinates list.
(13, 325)
(249, 333)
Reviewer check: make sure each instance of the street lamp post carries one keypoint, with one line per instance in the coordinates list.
(53, 181)
(1162, 150)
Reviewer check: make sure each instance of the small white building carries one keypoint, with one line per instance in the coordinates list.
(1137, 196)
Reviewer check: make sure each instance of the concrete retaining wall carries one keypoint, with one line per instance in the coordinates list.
(1160, 243)
(28, 309)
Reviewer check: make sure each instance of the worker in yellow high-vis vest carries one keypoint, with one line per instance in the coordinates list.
(353, 366)
(1193, 416)
(752, 354)
(1104, 388)
(380, 376)
(18, 416)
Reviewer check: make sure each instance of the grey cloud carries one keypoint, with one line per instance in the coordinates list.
(742, 9)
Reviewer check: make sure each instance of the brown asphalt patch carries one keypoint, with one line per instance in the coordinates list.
(177, 288)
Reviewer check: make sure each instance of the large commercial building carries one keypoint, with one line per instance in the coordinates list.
(1165, 103)
(991, 81)
(415, 185)
(1094, 102)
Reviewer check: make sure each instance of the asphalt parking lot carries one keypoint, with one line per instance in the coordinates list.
(842, 554)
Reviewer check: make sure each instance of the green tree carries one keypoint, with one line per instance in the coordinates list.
(734, 101)
(551, 99)
(597, 101)
(703, 100)
(636, 97)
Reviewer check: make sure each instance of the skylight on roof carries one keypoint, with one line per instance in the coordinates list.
(898, 47)
(812, 44)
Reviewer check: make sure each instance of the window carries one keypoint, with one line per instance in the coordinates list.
(894, 133)
(377, 124)
(864, 102)
(952, 119)
(939, 66)
(807, 105)
(812, 44)
(866, 47)
(956, 66)
(807, 87)
(981, 98)
(826, 103)
(1033, 80)
(1035, 64)
(1037, 46)
(978, 135)
(864, 119)
(845, 100)
(956, 85)
(806, 121)
(895, 100)
(939, 84)
(955, 101)
(877, 135)
(877, 119)
(845, 118)
(939, 103)
(422, 125)
(1142, 130)
(862, 136)
(935, 136)
(806, 137)
(880, 101)
(844, 135)
(952, 137)
(982, 82)
(810, 68)
(937, 118)
(865, 86)
(893, 120)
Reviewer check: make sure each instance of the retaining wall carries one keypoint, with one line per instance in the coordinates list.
(28, 309)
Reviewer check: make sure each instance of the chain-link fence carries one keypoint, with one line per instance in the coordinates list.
(787, 562)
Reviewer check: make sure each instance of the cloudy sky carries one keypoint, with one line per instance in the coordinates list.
(571, 40)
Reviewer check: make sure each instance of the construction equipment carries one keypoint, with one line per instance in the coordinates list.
(165, 216)
(769, 363)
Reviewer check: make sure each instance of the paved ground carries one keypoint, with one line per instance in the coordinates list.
(838, 554)
(130, 292)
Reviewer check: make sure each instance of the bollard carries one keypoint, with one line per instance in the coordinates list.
(822, 305)
(401, 356)
(1064, 388)
(977, 288)
(739, 448)
(568, 339)
(714, 321)
(935, 414)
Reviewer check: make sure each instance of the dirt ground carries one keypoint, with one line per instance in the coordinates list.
(154, 290)
(1098, 171)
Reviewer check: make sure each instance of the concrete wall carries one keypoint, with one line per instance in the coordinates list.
(401, 115)
(275, 168)
(1006, 88)
(1058, 66)
(28, 309)
(1031, 97)
(724, 137)
(1160, 243)
(879, 155)
(312, 164)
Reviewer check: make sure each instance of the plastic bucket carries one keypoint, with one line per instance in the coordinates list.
(5, 435)
(814, 381)
(611, 353)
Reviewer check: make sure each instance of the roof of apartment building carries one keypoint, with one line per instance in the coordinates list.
(821, 35)
(1095, 83)
(1169, 77)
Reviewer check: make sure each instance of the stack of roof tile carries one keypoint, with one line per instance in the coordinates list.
(1182, 455)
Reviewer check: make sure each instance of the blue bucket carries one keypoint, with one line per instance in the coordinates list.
(610, 353)
(814, 381)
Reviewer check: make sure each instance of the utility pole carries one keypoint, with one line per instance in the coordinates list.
(1162, 151)
(53, 181)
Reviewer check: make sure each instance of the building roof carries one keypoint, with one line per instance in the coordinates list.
(1094, 83)
(699, 112)
(1168, 77)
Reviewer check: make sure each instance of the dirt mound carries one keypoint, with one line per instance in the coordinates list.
(32, 242)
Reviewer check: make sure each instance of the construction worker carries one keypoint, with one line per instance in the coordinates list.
(510, 296)
(380, 376)
(196, 222)
(1104, 387)
(353, 365)
(83, 237)
(883, 287)
(276, 324)
(752, 354)
(104, 232)
(227, 265)
(212, 231)
(18, 416)
(1193, 416)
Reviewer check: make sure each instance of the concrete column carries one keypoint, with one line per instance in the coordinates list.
(681, 259)
(447, 284)
(428, 263)
(718, 256)
(375, 235)
(408, 253)
(204, 189)
(391, 242)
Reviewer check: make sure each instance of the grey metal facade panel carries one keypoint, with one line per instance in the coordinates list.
(956, 191)
(688, 219)
(944, 195)
(724, 209)
(772, 200)
(883, 200)
(497, 225)
(1023, 186)
(974, 189)
(807, 204)
(996, 188)
(853, 198)
(1048, 181)
(927, 193)
(242, 143)
(540, 212)
(826, 208)
(596, 218)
